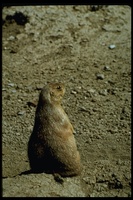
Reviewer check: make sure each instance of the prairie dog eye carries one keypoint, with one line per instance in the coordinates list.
(59, 87)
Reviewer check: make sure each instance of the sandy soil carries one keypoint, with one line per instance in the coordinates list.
(90, 51)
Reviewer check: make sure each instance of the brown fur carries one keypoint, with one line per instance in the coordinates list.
(52, 147)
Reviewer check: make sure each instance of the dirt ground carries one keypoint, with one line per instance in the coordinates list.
(90, 51)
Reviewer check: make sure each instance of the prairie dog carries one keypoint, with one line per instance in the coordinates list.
(52, 146)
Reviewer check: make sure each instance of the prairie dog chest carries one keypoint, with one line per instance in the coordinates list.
(58, 120)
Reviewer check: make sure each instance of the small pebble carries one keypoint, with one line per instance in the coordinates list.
(98, 137)
(25, 95)
(83, 109)
(30, 128)
(79, 87)
(111, 82)
(21, 112)
(17, 134)
(11, 37)
(103, 92)
(112, 46)
(114, 148)
(119, 162)
(19, 86)
(100, 76)
(91, 90)
(39, 86)
(14, 91)
(29, 88)
(73, 92)
(11, 84)
(107, 68)
(21, 36)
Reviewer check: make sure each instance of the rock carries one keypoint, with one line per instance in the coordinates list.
(98, 137)
(111, 82)
(21, 36)
(103, 92)
(14, 91)
(21, 112)
(19, 86)
(114, 147)
(100, 76)
(18, 134)
(39, 86)
(73, 92)
(11, 84)
(83, 109)
(119, 162)
(112, 46)
(107, 68)
(25, 94)
(91, 90)
(11, 38)
(29, 88)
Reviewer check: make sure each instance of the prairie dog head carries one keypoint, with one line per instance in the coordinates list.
(52, 93)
